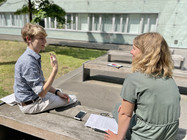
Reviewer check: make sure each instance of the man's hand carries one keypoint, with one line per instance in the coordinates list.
(63, 96)
(54, 62)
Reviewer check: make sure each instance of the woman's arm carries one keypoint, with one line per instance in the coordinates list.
(124, 118)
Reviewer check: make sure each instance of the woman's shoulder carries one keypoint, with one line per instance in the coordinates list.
(136, 76)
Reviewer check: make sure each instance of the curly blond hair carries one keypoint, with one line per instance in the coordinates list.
(155, 57)
(31, 30)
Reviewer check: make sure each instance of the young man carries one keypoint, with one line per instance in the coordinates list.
(32, 92)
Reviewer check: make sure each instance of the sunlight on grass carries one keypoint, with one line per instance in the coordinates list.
(68, 59)
(3, 93)
(10, 51)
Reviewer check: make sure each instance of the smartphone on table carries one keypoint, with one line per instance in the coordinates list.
(80, 115)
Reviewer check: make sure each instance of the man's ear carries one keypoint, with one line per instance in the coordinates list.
(28, 39)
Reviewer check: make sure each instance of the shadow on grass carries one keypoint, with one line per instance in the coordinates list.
(7, 63)
(80, 53)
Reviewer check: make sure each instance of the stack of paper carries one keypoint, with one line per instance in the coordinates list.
(10, 99)
(102, 123)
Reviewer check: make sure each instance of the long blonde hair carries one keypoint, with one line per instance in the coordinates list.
(155, 58)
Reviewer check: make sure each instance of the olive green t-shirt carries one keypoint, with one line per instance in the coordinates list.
(157, 106)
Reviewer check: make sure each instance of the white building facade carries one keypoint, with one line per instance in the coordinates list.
(107, 21)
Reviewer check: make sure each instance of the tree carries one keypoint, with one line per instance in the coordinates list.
(42, 9)
(2, 1)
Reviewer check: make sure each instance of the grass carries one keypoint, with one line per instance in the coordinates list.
(68, 59)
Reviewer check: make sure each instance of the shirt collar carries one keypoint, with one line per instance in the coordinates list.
(33, 53)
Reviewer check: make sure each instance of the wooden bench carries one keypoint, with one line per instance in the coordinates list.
(56, 124)
(126, 56)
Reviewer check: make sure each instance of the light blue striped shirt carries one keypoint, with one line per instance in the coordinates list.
(28, 78)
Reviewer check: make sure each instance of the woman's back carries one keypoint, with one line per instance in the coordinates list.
(157, 105)
(150, 92)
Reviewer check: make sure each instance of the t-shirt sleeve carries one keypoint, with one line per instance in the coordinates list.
(34, 77)
(128, 91)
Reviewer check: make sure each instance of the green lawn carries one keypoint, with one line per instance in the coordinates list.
(68, 59)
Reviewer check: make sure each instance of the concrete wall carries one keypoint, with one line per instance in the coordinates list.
(92, 37)
(82, 36)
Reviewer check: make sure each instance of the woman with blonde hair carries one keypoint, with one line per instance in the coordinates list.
(150, 106)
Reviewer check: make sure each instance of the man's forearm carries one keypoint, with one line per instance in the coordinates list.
(48, 84)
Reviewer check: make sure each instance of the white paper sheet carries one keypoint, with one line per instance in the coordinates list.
(102, 123)
(10, 99)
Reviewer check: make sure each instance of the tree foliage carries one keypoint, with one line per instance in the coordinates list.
(42, 9)
(2, 1)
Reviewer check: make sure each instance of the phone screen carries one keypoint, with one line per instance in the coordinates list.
(80, 115)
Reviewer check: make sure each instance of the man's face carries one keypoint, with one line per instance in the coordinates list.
(38, 43)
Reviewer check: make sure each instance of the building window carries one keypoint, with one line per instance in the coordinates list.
(11, 20)
(134, 23)
(7, 21)
(149, 23)
(70, 22)
(109, 23)
(1, 19)
(95, 22)
(106, 23)
(82, 22)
